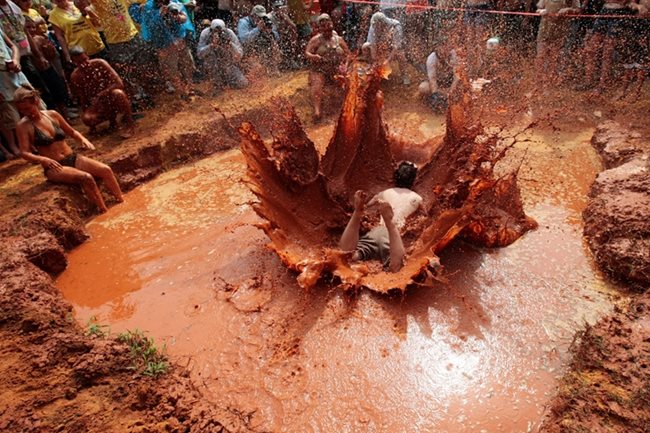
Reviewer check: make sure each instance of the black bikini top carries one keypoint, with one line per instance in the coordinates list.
(42, 139)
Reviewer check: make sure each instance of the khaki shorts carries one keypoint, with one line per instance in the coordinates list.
(375, 245)
(9, 116)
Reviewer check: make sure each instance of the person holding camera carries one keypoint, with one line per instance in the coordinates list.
(221, 52)
(165, 26)
(260, 38)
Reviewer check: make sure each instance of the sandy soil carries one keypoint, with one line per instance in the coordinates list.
(58, 379)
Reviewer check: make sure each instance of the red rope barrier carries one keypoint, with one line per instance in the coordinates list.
(484, 11)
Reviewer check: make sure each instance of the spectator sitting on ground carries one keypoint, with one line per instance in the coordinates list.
(100, 92)
(221, 53)
(326, 53)
(46, 130)
(385, 38)
(260, 38)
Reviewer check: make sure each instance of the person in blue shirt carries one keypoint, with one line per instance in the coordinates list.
(260, 39)
(166, 27)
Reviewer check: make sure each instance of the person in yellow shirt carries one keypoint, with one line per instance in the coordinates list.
(26, 7)
(72, 27)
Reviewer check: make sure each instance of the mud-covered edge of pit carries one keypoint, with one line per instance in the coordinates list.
(607, 387)
(55, 373)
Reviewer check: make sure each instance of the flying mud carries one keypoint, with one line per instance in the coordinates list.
(306, 202)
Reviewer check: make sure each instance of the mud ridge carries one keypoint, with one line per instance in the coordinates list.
(617, 226)
(58, 378)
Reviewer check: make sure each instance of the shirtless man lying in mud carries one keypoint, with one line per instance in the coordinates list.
(395, 205)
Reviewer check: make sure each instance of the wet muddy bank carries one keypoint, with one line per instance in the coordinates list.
(58, 379)
(617, 218)
(607, 387)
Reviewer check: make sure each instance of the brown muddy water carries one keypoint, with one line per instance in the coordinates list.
(182, 260)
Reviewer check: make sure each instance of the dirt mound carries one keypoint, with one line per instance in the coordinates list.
(617, 226)
(608, 388)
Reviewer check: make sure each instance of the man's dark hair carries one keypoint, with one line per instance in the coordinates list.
(405, 174)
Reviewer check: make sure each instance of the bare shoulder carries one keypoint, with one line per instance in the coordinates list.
(24, 124)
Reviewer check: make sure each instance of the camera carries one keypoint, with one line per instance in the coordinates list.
(267, 21)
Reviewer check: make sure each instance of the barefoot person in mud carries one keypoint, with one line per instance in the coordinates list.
(41, 136)
(395, 205)
(326, 53)
(100, 92)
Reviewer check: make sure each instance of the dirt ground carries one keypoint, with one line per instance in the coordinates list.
(57, 378)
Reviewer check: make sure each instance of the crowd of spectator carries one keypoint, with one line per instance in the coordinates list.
(103, 59)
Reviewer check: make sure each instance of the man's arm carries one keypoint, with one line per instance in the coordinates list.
(246, 31)
(14, 64)
(310, 50)
(203, 48)
(236, 47)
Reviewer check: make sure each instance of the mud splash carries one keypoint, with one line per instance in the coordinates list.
(480, 353)
(305, 204)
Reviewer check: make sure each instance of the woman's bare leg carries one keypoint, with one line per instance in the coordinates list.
(75, 176)
(103, 172)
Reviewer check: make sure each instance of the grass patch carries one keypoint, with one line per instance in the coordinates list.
(148, 359)
(94, 329)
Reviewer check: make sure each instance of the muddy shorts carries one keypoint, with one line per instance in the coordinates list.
(9, 116)
(375, 245)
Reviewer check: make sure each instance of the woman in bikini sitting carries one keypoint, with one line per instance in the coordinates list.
(326, 53)
(44, 131)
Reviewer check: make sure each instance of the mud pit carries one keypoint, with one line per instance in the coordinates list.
(182, 259)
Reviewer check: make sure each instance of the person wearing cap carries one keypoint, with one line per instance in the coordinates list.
(46, 131)
(100, 92)
(221, 53)
(326, 53)
(385, 37)
(259, 38)
(165, 26)
(394, 205)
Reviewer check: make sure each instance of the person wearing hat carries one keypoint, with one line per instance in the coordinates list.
(259, 38)
(385, 37)
(221, 53)
(46, 131)
(165, 26)
(326, 53)
(394, 205)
